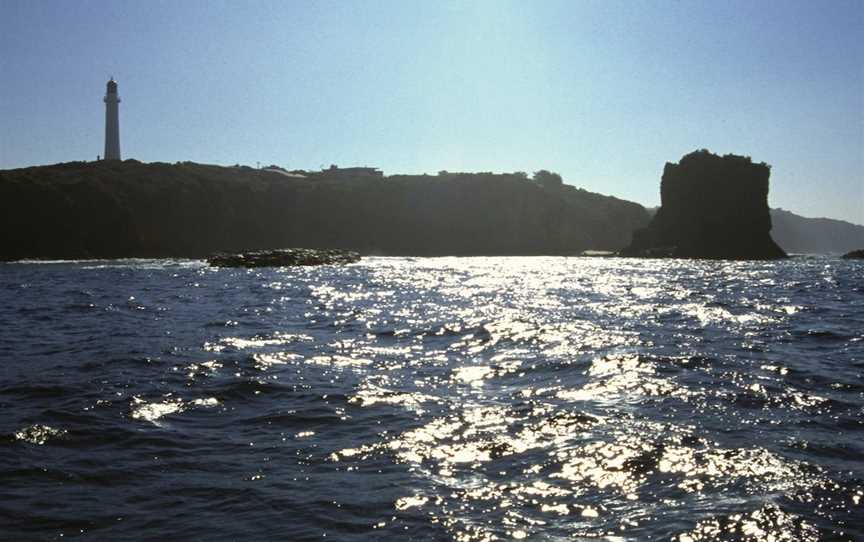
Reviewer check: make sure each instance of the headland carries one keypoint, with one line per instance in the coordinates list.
(116, 209)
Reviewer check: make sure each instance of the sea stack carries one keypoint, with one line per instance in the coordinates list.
(711, 207)
(112, 122)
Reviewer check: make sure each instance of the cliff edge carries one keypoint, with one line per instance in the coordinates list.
(711, 207)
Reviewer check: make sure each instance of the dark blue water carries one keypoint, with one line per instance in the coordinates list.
(466, 399)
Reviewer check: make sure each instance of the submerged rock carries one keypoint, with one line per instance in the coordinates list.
(854, 255)
(711, 207)
(284, 257)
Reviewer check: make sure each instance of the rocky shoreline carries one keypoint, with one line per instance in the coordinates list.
(283, 257)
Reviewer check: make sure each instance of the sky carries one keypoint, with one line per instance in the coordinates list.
(604, 92)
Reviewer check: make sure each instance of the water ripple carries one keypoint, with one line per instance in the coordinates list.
(463, 399)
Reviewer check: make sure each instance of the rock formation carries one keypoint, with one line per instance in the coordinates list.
(854, 255)
(711, 207)
(284, 257)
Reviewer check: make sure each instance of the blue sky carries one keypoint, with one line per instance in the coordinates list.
(603, 92)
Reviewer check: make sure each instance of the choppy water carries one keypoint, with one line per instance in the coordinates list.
(466, 399)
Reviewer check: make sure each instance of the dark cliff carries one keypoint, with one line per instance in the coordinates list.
(711, 207)
(129, 209)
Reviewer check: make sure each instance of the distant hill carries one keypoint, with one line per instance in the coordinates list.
(126, 209)
(815, 235)
(802, 235)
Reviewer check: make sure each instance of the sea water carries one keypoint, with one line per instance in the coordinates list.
(467, 399)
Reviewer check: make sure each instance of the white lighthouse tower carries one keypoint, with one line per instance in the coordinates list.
(112, 122)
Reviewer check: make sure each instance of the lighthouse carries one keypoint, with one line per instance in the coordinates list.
(112, 122)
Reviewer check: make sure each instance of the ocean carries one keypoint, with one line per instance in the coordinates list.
(465, 399)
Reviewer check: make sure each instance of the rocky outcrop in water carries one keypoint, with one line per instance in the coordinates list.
(284, 257)
(854, 255)
(711, 207)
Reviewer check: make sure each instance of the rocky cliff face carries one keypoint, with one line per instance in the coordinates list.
(711, 207)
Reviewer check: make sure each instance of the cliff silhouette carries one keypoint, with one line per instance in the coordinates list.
(711, 207)
(113, 209)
